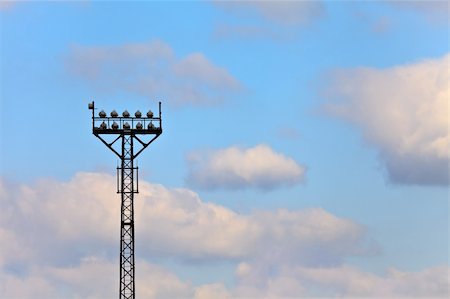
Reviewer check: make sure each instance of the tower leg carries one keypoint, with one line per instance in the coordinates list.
(127, 221)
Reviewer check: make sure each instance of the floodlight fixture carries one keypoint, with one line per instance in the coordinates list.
(126, 114)
(138, 114)
(114, 113)
(102, 114)
(150, 114)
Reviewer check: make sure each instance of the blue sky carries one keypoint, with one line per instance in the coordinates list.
(279, 118)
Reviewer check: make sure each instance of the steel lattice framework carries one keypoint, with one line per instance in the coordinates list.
(130, 133)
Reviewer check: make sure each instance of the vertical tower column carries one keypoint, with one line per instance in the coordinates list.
(127, 219)
(126, 129)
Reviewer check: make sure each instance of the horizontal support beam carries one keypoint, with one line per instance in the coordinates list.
(155, 131)
(125, 118)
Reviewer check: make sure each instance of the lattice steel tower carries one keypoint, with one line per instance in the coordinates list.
(134, 134)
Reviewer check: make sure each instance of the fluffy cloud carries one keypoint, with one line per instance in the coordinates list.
(32, 286)
(92, 278)
(61, 214)
(188, 228)
(403, 111)
(239, 168)
(342, 282)
(152, 70)
(178, 223)
(60, 237)
(169, 222)
(155, 282)
(216, 291)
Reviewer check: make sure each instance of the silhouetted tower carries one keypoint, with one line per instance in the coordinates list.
(127, 136)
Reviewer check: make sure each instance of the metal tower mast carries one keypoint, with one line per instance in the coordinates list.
(127, 137)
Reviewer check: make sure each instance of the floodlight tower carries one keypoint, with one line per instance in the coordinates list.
(127, 137)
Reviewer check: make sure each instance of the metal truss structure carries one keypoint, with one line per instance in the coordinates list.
(127, 137)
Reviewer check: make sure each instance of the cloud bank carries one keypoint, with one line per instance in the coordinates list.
(341, 282)
(152, 70)
(240, 168)
(171, 222)
(403, 112)
(59, 237)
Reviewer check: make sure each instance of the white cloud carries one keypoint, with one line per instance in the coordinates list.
(178, 223)
(11, 250)
(239, 168)
(308, 237)
(152, 70)
(341, 281)
(216, 291)
(156, 282)
(32, 286)
(92, 278)
(184, 226)
(401, 110)
(61, 214)
(61, 237)
(169, 222)
(95, 278)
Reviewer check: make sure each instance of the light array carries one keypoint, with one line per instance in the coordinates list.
(125, 122)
